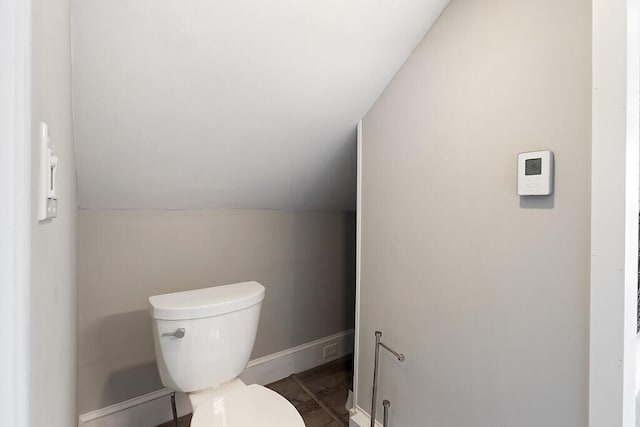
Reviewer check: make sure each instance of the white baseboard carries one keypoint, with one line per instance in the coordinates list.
(361, 418)
(268, 369)
(154, 408)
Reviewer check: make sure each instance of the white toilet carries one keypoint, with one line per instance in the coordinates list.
(203, 339)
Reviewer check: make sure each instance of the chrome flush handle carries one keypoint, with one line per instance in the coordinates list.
(178, 333)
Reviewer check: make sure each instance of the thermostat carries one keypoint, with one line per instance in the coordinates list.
(535, 173)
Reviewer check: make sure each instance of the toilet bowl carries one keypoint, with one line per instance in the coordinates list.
(203, 339)
(251, 405)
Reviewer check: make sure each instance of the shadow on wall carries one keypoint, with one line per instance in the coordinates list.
(319, 301)
(144, 377)
(126, 256)
(319, 287)
(116, 333)
(537, 202)
(350, 269)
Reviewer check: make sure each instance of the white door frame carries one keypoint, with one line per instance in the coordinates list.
(614, 212)
(15, 209)
(356, 335)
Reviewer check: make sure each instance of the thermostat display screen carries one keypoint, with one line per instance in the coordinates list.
(535, 173)
(533, 166)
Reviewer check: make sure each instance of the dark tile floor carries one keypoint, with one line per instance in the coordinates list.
(319, 394)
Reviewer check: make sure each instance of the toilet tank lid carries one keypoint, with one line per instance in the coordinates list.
(206, 302)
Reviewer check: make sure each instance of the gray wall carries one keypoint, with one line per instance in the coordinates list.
(305, 261)
(485, 292)
(53, 315)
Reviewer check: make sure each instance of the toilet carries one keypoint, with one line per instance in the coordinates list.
(203, 339)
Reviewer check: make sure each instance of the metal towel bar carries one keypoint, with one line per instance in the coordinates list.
(385, 418)
(374, 396)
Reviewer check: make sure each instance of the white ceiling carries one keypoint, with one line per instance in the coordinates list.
(187, 104)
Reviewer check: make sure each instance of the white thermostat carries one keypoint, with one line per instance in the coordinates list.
(535, 173)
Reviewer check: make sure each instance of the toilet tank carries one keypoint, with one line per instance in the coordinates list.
(204, 337)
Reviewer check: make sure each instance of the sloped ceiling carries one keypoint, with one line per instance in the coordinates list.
(188, 104)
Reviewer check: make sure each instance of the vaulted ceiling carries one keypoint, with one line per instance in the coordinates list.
(191, 104)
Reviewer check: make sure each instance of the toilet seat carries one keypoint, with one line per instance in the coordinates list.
(250, 406)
